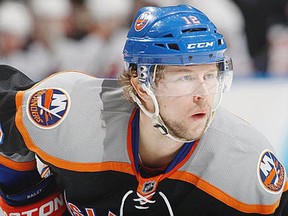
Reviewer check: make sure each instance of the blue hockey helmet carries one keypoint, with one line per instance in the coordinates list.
(173, 35)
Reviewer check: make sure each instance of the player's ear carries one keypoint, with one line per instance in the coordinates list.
(138, 88)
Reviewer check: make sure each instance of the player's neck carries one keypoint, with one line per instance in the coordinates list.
(155, 149)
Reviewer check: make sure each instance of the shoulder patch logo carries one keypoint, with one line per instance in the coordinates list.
(1, 135)
(271, 172)
(47, 108)
(142, 21)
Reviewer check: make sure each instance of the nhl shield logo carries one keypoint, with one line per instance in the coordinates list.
(148, 187)
(271, 172)
(47, 108)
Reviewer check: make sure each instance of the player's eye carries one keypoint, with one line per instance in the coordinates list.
(210, 76)
(186, 78)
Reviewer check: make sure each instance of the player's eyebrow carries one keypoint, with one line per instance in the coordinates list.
(192, 70)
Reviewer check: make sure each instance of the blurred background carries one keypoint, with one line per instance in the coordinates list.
(40, 37)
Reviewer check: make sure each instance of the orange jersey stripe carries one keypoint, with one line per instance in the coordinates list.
(286, 186)
(18, 166)
(222, 196)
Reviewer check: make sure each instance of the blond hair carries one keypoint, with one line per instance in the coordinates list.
(126, 76)
(124, 80)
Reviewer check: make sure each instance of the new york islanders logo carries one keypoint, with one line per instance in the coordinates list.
(46, 108)
(271, 172)
(142, 21)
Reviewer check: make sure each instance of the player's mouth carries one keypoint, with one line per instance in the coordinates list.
(198, 116)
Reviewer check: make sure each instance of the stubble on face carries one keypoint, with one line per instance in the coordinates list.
(187, 116)
(184, 128)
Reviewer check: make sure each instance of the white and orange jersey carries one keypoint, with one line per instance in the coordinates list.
(87, 133)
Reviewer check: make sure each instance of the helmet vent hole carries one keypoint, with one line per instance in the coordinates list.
(193, 30)
(173, 46)
(168, 36)
(220, 42)
(160, 45)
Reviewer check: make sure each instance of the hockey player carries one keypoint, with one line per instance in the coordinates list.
(168, 153)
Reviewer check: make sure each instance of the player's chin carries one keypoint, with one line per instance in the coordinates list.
(193, 133)
(197, 129)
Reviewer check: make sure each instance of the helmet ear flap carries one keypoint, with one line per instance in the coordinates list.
(143, 77)
(225, 68)
(147, 76)
(228, 77)
(227, 81)
(143, 73)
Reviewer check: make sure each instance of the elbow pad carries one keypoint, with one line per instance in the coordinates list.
(41, 199)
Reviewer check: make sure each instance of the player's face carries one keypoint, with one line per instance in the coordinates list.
(187, 115)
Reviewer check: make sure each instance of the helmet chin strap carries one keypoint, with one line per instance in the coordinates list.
(156, 118)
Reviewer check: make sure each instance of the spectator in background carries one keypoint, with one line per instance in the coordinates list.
(57, 35)
(88, 35)
(96, 48)
(52, 25)
(16, 46)
(80, 20)
(15, 27)
(109, 24)
(278, 50)
(58, 29)
(260, 16)
(52, 20)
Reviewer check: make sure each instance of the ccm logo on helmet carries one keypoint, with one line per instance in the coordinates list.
(200, 45)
